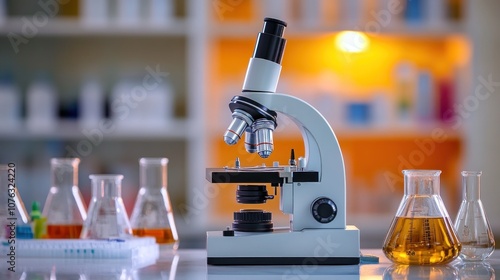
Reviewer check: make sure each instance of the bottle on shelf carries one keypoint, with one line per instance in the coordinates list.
(91, 103)
(10, 102)
(160, 12)
(94, 12)
(42, 105)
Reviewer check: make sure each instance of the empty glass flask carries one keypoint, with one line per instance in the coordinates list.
(64, 207)
(421, 232)
(152, 214)
(107, 217)
(471, 224)
(14, 219)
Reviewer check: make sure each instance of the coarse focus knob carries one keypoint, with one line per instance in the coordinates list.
(324, 210)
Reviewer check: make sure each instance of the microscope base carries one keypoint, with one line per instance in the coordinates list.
(285, 247)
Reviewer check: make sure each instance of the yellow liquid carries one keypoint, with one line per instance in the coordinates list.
(162, 235)
(421, 241)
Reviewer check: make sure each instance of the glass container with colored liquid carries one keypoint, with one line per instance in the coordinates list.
(64, 207)
(421, 232)
(152, 214)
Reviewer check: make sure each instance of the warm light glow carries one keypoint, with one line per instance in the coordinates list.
(352, 41)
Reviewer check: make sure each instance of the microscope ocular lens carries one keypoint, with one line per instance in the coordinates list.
(274, 26)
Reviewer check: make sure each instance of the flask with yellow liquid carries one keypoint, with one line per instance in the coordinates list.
(421, 232)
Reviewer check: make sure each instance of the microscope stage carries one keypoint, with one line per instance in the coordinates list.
(272, 175)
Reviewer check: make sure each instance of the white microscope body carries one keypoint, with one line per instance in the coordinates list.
(312, 193)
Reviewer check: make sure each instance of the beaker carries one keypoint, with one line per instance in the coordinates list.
(471, 224)
(152, 214)
(421, 232)
(107, 217)
(14, 219)
(64, 207)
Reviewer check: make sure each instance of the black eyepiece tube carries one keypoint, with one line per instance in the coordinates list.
(270, 43)
(274, 26)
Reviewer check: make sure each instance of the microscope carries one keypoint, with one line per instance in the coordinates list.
(312, 190)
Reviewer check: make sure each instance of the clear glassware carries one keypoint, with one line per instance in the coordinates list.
(13, 214)
(471, 224)
(475, 271)
(107, 216)
(152, 214)
(64, 207)
(421, 232)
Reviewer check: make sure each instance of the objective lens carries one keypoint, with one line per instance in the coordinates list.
(234, 131)
(241, 120)
(250, 141)
(263, 130)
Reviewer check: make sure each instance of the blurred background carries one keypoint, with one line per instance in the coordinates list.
(404, 84)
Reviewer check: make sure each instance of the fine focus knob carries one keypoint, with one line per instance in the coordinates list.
(324, 210)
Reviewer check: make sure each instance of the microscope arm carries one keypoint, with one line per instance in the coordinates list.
(323, 154)
(322, 150)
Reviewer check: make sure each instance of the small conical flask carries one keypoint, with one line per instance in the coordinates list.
(421, 232)
(471, 224)
(64, 207)
(107, 216)
(14, 219)
(152, 214)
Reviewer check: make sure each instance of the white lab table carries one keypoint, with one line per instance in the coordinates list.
(191, 264)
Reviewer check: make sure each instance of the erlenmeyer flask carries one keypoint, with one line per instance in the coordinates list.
(421, 232)
(14, 219)
(471, 224)
(64, 207)
(152, 214)
(107, 217)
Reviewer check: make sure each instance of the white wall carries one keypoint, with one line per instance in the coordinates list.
(482, 124)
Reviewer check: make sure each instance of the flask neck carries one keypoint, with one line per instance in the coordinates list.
(421, 182)
(64, 172)
(471, 185)
(106, 186)
(153, 173)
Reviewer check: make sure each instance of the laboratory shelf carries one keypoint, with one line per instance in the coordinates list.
(72, 130)
(28, 27)
(408, 130)
(246, 29)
